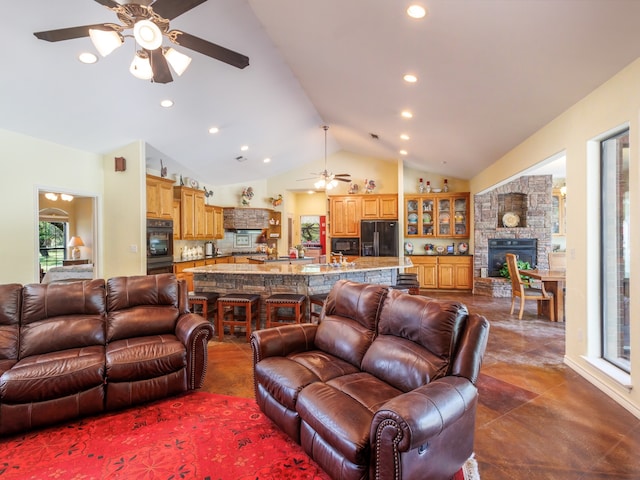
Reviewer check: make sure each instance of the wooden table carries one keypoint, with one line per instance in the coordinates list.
(553, 281)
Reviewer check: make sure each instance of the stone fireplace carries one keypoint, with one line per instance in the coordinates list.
(517, 211)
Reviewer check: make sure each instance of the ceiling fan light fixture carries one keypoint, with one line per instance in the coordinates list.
(141, 67)
(105, 41)
(147, 34)
(178, 61)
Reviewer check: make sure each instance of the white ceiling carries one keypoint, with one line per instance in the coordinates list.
(491, 72)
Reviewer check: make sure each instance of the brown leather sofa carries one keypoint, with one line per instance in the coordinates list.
(73, 349)
(383, 387)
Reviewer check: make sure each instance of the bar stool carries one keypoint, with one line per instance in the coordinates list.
(228, 315)
(284, 300)
(204, 300)
(318, 301)
(409, 282)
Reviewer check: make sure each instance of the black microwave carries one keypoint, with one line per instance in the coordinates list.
(346, 246)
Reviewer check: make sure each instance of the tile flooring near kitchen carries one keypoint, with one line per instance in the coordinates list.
(536, 420)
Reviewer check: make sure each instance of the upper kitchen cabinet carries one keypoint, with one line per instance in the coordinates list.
(159, 197)
(345, 215)
(437, 215)
(218, 222)
(380, 207)
(192, 213)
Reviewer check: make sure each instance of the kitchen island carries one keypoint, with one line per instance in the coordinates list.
(307, 279)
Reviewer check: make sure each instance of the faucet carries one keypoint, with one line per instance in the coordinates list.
(339, 254)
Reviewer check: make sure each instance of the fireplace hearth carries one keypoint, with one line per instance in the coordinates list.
(523, 248)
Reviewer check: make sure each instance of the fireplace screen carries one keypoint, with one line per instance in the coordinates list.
(524, 248)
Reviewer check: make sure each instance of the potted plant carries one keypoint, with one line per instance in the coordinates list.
(504, 271)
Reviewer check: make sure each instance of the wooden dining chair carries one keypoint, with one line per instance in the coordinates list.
(521, 288)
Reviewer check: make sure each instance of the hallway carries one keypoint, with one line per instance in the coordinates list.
(537, 419)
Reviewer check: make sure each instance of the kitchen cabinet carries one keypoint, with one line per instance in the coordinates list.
(192, 212)
(379, 207)
(275, 225)
(447, 272)
(176, 220)
(442, 215)
(455, 273)
(159, 197)
(218, 222)
(345, 216)
(558, 210)
(209, 221)
(426, 268)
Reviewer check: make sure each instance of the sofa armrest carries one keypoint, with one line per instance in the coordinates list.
(282, 341)
(412, 419)
(195, 332)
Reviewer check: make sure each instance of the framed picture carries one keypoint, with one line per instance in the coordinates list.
(242, 240)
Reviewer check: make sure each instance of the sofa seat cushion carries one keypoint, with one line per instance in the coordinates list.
(283, 378)
(341, 421)
(324, 365)
(53, 375)
(144, 357)
(6, 364)
(365, 389)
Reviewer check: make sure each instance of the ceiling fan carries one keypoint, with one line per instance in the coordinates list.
(149, 21)
(326, 179)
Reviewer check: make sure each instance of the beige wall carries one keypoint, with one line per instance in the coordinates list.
(29, 164)
(612, 105)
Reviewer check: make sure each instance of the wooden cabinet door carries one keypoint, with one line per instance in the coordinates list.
(426, 268)
(187, 214)
(199, 215)
(446, 276)
(370, 207)
(218, 222)
(177, 224)
(209, 222)
(344, 216)
(388, 207)
(464, 276)
(159, 197)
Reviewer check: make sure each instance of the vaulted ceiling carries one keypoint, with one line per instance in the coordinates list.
(490, 73)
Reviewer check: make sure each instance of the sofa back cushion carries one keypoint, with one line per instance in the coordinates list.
(140, 306)
(416, 342)
(10, 298)
(60, 316)
(349, 323)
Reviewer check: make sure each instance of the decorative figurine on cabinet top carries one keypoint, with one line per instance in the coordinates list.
(247, 195)
(369, 186)
(276, 201)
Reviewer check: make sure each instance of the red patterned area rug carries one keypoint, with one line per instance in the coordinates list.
(195, 436)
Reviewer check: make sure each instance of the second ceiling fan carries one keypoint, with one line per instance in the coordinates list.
(328, 180)
(149, 21)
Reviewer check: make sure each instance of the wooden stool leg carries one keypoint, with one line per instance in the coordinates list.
(221, 308)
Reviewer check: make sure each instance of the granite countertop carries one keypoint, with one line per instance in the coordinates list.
(201, 257)
(284, 268)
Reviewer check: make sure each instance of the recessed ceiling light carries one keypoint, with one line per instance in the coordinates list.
(403, 152)
(166, 103)
(87, 58)
(311, 192)
(267, 160)
(244, 148)
(407, 114)
(404, 136)
(214, 130)
(416, 11)
(410, 78)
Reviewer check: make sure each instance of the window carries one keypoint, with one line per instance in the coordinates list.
(52, 243)
(615, 250)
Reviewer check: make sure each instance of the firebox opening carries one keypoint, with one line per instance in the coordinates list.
(524, 248)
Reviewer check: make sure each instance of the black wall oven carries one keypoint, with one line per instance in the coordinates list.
(159, 246)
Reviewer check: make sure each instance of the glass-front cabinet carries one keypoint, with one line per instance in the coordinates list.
(437, 215)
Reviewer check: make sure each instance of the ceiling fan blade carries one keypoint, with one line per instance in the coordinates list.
(160, 67)
(342, 175)
(342, 179)
(69, 33)
(209, 49)
(108, 3)
(171, 9)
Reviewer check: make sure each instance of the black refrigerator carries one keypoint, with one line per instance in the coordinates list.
(379, 238)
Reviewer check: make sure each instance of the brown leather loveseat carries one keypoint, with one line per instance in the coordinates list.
(73, 349)
(383, 387)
